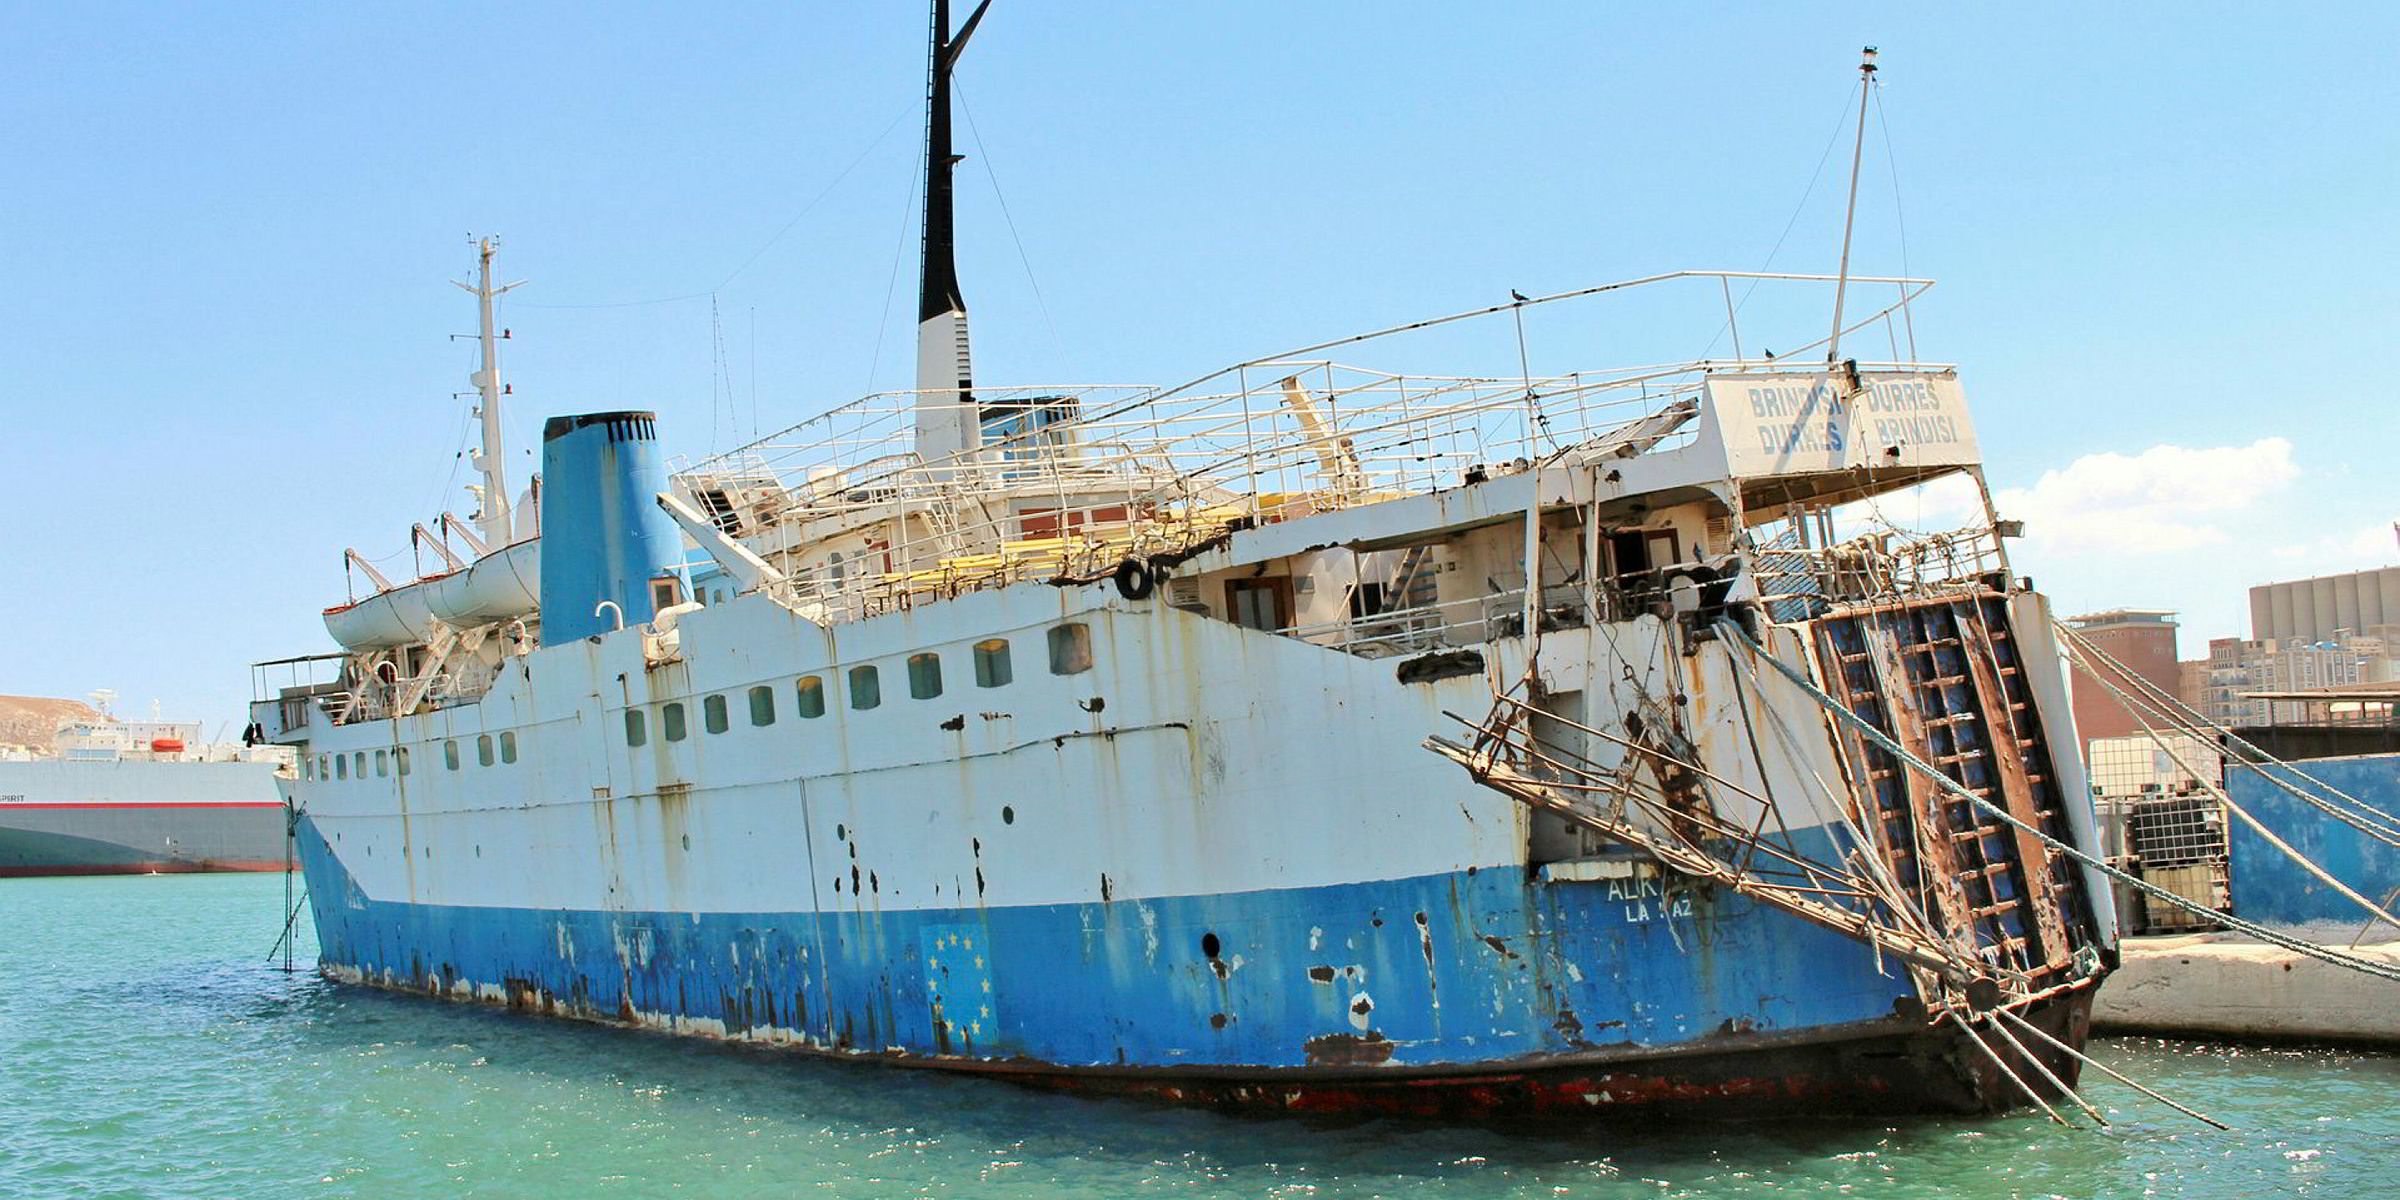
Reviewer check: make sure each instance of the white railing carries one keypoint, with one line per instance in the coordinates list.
(1071, 480)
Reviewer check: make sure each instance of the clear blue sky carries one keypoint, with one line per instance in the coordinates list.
(227, 232)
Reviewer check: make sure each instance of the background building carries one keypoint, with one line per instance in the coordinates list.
(2334, 631)
(2320, 609)
(2144, 641)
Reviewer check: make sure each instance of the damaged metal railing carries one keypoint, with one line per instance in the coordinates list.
(1506, 757)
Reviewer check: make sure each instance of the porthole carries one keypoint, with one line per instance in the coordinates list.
(1070, 649)
(924, 676)
(992, 668)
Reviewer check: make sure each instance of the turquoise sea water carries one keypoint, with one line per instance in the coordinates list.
(149, 1048)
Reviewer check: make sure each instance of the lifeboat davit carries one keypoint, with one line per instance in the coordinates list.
(503, 584)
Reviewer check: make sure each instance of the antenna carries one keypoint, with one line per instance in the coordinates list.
(491, 510)
(1841, 286)
(100, 700)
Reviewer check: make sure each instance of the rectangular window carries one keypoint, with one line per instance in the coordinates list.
(762, 705)
(508, 747)
(1261, 604)
(670, 722)
(341, 766)
(991, 663)
(866, 691)
(450, 754)
(483, 750)
(637, 730)
(1070, 649)
(808, 696)
(712, 713)
(400, 760)
(924, 676)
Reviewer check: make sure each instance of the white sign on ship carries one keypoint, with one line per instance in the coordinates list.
(1798, 425)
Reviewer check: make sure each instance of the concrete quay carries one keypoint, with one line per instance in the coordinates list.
(2218, 985)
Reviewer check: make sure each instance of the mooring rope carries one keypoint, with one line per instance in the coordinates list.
(2375, 822)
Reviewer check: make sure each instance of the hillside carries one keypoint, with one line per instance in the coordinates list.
(33, 720)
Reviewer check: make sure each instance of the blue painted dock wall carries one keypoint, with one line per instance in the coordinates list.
(2268, 886)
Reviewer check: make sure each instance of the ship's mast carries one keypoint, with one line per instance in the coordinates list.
(946, 421)
(491, 514)
(1858, 154)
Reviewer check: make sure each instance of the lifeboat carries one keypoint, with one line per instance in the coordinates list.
(398, 616)
(166, 745)
(503, 584)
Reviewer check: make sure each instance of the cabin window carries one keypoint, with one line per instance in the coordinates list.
(450, 754)
(924, 676)
(508, 747)
(383, 766)
(637, 728)
(358, 765)
(712, 714)
(991, 663)
(1070, 649)
(400, 760)
(670, 722)
(341, 766)
(665, 592)
(762, 705)
(483, 750)
(1261, 604)
(308, 768)
(866, 689)
(324, 768)
(1636, 556)
(808, 696)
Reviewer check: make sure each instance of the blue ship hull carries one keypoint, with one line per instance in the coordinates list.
(1477, 991)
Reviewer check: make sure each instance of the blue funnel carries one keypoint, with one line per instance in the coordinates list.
(604, 538)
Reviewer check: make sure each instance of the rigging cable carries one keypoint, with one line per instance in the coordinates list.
(883, 325)
(1899, 218)
(1057, 346)
(1805, 196)
(769, 244)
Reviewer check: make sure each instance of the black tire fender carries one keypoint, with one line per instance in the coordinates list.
(1136, 579)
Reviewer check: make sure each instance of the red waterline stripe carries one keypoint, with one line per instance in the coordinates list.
(144, 804)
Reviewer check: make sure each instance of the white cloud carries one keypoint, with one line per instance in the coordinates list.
(2372, 545)
(2163, 500)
